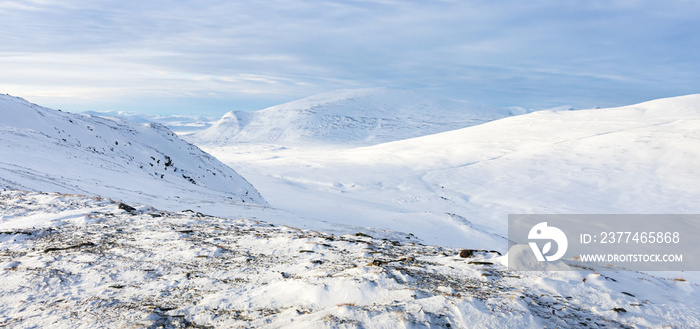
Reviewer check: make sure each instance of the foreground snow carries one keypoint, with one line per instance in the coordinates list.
(78, 262)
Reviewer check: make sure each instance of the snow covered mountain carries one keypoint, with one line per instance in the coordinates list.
(351, 116)
(642, 158)
(456, 188)
(48, 150)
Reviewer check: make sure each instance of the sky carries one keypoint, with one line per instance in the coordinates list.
(210, 57)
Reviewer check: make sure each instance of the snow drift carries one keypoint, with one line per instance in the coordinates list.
(48, 150)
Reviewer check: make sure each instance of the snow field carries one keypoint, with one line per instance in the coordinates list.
(147, 267)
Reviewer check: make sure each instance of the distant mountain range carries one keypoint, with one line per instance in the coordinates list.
(180, 124)
(350, 116)
(53, 151)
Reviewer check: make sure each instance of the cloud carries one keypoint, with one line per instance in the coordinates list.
(504, 53)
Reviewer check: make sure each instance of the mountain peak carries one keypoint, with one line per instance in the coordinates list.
(349, 116)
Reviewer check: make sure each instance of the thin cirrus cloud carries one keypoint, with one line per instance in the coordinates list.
(214, 56)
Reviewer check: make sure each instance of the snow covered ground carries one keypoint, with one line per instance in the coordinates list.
(71, 261)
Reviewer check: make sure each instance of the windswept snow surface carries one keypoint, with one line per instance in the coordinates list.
(457, 188)
(91, 263)
(48, 150)
(350, 117)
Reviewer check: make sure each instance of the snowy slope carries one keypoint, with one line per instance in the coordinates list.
(76, 262)
(351, 116)
(47, 150)
(457, 188)
(643, 158)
